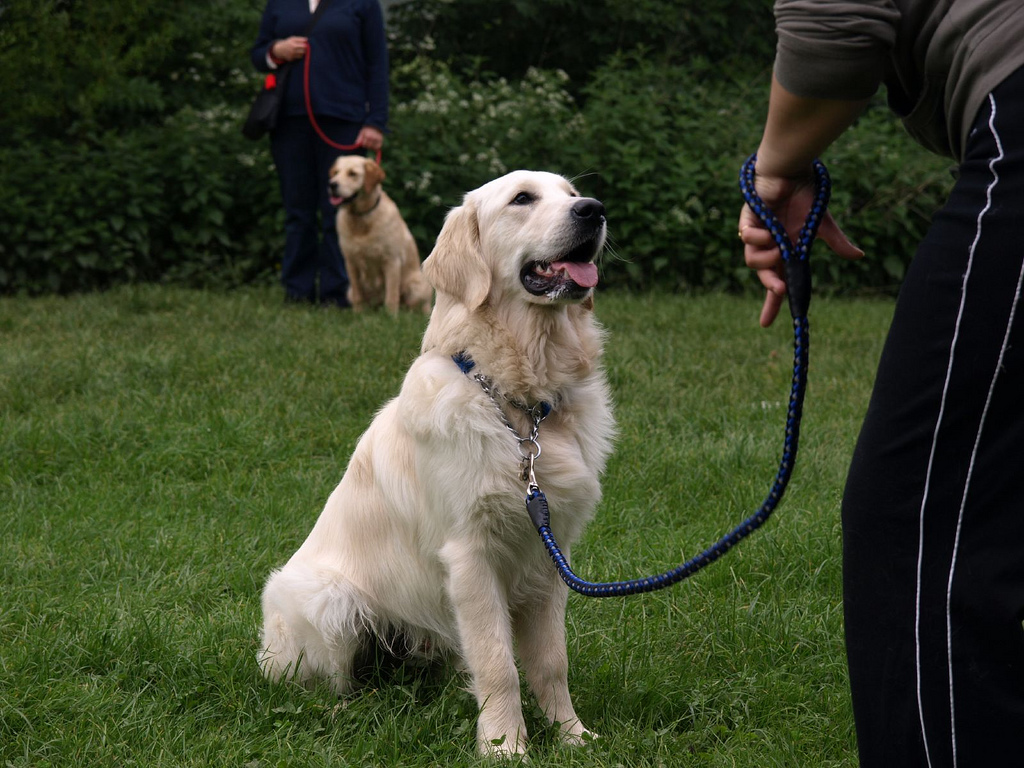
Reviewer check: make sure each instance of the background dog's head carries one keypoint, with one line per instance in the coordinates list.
(528, 234)
(352, 175)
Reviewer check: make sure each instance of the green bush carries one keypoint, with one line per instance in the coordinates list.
(77, 217)
(886, 189)
(187, 199)
(450, 136)
(187, 202)
(508, 39)
(193, 202)
(225, 224)
(665, 144)
(80, 68)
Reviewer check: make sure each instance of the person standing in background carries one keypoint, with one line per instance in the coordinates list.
(348, 89)
(933, 511)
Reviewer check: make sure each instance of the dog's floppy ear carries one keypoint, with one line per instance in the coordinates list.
(372, 175)
(456, 265)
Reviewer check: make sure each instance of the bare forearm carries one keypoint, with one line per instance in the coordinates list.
(799, 129)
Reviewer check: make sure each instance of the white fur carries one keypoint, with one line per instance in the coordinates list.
(427, 532)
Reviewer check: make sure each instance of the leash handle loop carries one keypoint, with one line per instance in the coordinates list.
(795, 256)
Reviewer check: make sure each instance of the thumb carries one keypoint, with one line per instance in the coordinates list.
(837, 240)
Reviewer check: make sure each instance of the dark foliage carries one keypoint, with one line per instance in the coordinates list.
(475, 36)
(121, 157)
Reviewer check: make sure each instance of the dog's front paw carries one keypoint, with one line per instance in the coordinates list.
(578, 737)
(504, 747)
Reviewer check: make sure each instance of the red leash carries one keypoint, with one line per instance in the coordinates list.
(309, 109)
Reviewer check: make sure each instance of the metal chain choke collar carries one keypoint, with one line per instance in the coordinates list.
(529, 446)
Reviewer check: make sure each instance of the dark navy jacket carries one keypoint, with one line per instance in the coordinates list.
(348, 76)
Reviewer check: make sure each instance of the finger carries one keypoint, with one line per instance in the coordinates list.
(758, 238)
(761, 253)
(753, 233)
(748, 219)
(760, 250)
(367, 140)
(772, 281)
(837, 240)
(762, 259)
(770, 309)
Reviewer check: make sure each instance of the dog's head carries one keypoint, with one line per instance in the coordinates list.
(528, 234)
(352, 175)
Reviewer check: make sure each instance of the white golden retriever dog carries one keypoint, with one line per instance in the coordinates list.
(381, 258)
(427, 536)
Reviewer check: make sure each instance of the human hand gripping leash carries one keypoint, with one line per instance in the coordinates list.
(798, 280)
(309, 109)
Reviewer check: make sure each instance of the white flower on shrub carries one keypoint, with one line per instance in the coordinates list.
(680, 216)
(421, 183)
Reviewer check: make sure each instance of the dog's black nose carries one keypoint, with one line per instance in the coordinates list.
(588, 208)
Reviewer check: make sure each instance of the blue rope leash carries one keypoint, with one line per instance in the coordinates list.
(798, 280)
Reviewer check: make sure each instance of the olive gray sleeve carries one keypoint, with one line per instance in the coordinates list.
(832, 49)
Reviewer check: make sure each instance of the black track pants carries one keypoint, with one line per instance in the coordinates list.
(933, 514)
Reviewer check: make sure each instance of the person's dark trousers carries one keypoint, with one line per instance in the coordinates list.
(933, 513)
(312, 268)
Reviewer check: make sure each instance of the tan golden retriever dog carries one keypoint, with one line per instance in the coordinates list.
(427, 536)
(381, 257)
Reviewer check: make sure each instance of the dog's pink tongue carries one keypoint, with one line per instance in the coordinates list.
(584, 274)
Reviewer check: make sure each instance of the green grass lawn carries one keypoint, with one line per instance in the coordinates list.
(161, 450)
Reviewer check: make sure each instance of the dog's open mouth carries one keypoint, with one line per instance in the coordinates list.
(571, 275)
(337, 202)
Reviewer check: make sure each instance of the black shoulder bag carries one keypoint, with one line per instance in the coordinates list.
(264, 111)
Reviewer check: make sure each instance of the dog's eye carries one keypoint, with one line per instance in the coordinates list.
(523, 198)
